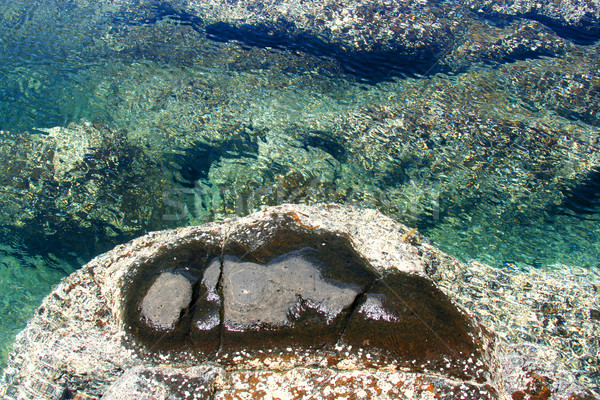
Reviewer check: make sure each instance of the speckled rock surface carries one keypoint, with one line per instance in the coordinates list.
(375, 36)
(584, 15)
(82, 342)
(408, 28)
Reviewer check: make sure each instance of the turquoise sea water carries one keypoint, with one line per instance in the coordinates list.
(493, 155)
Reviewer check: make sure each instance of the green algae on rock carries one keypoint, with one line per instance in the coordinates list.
(383, 329)
(80, 181)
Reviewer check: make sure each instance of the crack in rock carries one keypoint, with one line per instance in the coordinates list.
(299, 298)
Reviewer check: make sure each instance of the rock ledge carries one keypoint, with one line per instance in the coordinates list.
(87, 339)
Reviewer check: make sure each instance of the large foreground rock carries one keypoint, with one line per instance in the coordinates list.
(291, 302)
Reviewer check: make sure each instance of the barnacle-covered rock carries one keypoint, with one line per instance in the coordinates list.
(296, 301)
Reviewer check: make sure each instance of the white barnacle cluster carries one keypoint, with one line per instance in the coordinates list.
(373, 309)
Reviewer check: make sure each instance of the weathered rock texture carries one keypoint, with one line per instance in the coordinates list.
(364, 320)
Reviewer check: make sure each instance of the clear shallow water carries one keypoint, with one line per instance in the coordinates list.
(494, 161)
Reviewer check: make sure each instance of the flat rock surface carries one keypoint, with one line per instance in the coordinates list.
(248, 289)
(392, 334)
(168, 296)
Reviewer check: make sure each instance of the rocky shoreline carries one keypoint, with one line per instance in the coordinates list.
(79, 345)
(477, 122)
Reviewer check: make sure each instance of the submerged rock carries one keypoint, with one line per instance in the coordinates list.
(275, 295)
(578, 20)
(406, 37)
(300, 301)
(299, 296)
(79, 185)
(516, 121)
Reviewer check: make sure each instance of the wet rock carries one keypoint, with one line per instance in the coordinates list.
(375, 39)
(355, 313)
(574, 19)
(391, 33)
(197, 328)
(287, 302)
(208, 315)
(519, 40)
(460, 148)
(372, 40)
(569, 86)
(407, 319)
(167, 298)
(342, 27)
(274, 295)
(230, 158)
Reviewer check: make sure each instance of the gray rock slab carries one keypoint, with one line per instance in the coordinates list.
(271, 294)
(165, 301)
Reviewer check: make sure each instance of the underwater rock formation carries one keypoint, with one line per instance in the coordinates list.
(295, 300)
(374, 40)
(383, 37)
(79, 182)
(306, 291)
(577, 20)
(286, 122)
